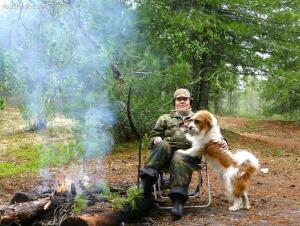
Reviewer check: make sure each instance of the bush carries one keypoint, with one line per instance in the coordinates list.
(2, 103)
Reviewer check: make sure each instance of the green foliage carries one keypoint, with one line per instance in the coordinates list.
(151, 96)
(58, 155)
(30, 158)
(282, 95)
(2, 103)
(172, 44)
(133, 196)
(115, 198)
(145, 142)
(244, 100)
(279, 153)
(222, 40)
(6, 78)
(26, 160)
(61, 64)
(80, 204)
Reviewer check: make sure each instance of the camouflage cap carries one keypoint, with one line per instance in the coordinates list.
(182, 93)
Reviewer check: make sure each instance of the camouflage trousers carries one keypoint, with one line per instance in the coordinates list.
(179, 165)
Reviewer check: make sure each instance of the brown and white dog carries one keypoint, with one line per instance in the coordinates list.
(235, 170)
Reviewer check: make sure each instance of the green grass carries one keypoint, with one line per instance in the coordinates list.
(125, 147)
(30, 158)
(51, 156)
(133, 145)
(25, 160)
(8, 169)
(279, 152)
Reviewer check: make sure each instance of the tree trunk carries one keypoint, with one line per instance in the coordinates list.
(202, 88)
(195, 94)
(204, 94)
(217, 105)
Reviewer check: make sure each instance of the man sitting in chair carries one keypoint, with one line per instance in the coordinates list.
(167, 136)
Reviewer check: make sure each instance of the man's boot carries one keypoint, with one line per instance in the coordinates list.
(148, 178)
(147, 182)
(178, 204)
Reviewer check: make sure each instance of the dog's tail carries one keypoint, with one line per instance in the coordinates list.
(247, 163)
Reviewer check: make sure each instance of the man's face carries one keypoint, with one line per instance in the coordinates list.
(182, 103)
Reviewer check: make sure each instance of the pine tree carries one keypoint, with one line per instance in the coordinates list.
(223, 40)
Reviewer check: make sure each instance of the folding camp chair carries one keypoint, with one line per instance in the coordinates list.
(160, 193)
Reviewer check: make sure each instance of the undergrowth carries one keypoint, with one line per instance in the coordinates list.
(80, 204)
(58, 155)
(132, 198)
(30, 158)
(24, 160)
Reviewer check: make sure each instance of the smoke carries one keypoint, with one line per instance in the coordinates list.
(60, 52)
(98, 141)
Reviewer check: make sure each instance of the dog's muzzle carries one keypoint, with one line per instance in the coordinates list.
(192, 130)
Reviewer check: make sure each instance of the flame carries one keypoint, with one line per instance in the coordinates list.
(61, 185)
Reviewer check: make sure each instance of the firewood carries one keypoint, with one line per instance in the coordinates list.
(106, 218)
(20, 197)
(22, 211)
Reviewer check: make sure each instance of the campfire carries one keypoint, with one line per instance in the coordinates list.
(62, 187)
(54, 207)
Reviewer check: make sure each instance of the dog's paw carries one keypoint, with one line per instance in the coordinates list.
(248, 207)
(234, 208)
(181, 151)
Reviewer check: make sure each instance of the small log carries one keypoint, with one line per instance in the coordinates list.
(110, 217)
(22, 211)
(29, 196)
(20, 197)
(106, 218)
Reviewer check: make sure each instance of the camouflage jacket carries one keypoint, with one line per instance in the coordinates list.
(171, 128)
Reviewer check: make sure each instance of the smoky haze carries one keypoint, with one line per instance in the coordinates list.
(60, 54)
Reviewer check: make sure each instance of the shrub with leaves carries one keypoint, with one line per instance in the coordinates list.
(2, 103)
(133, 196)
(80, 204)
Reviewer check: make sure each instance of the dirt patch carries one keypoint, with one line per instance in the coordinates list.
(14, 131)
(274, 196)
(281, 134)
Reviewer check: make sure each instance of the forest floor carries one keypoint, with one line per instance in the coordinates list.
(274, 195)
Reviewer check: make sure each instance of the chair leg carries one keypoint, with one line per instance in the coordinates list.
(197, 193)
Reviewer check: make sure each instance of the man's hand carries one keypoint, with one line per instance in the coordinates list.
(157, 140)
(223, 145)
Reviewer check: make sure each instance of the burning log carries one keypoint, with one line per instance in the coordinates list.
(20, 197)
(57, 207)
(110, 217)
(28, 206)
(23, 211)
(106, 218)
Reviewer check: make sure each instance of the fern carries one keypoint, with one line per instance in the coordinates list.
(80, 204)
(134, 195)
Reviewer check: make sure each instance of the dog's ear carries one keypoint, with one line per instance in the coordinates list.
(208, 121)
